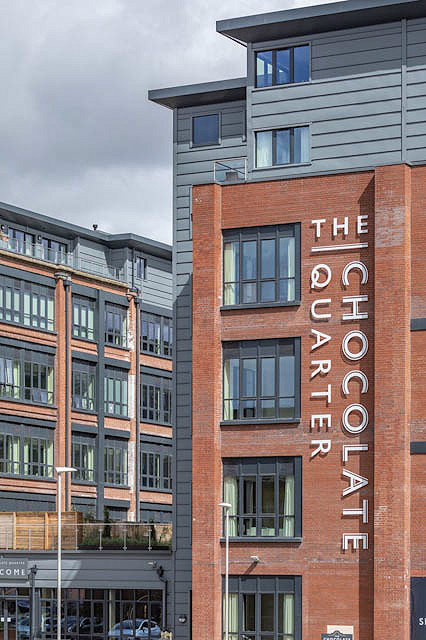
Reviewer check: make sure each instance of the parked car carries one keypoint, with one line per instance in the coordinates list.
(138, 628)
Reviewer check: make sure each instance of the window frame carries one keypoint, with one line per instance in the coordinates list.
(274, 51)
(254, 349)
(290, 230)
(32, 365)
(163, 383)
(119, 339)
(83, 474)
(260, 468)
(80, 302)
(147, 317)
(206, 145)
(19, 290)
(160, 482)
(274, 130)
(121, 474)
(39, 441)
(21, 436)
(121, 375)
(83, 370)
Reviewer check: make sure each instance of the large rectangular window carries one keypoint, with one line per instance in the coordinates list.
(157, 335)
(83, 458)
(283, 66)
(261, 265)
(83, 385)
(115, 462)
(10, 454)
(116, 391)
(83, 318)
(264, 608)
(156, 399)
(261, 380)
(27, 303)
(265, 497)
(205, 129)
(26, 375)
(30, 456)
(156, 468)
(282, 146)
(116, 325)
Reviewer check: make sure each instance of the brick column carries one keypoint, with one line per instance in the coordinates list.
(133, 381)
(206, 415)
(392, 403)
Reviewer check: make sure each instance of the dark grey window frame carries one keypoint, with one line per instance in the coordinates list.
(28, 361)
(35, 437)
(152, 481)
(80, 330)
(121, 403)
(83, 474)
(258, 234)
(274, 132)
(114, 337)
(19, 290)
(148, 345)
(257, 349)
(258, 468)
(197, 145)
(140, 267)
(274, 65)
(116, 476)
(258, 585)
(81, 374)
(163, 383)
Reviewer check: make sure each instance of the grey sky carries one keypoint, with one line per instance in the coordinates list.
(78, 138)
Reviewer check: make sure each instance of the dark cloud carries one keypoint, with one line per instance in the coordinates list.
(78, 138)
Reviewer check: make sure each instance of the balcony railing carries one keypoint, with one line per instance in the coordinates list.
(59, 257)
(229, 171)
(39, 532)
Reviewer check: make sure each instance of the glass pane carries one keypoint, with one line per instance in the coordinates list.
(268, 494)
(248, 409)
(287, 407)
(282, 71)
(264, 149)
(286, 614)
(264, 69)
(301, 64)
(249, 377)
(267, 408)
(249, 495)
(267, 291)
(249, 612)
(301, 144)
(267, 612)
(287, 375)
(287, 257)
(283, 146)
(231, 258)
(249, 293)
(205, 129)
(267, 257)
(249, 260)
(267, 376)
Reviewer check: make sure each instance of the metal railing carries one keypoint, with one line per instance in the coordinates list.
(229, 171)
(93, 536)
(58, 257)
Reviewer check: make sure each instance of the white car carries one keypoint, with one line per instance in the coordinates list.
(138, 628)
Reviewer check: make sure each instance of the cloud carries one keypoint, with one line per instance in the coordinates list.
(78, 138)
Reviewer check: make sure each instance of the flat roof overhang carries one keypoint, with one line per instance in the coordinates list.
(193, 95)
(319, 18)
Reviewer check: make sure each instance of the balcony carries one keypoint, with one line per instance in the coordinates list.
(40, 252)
(38, 531)
(230, 171)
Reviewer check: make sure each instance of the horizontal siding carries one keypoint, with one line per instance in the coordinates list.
(416, 91)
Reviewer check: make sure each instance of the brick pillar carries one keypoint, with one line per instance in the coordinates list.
(206, 415)
(392, 403)
(133, 378)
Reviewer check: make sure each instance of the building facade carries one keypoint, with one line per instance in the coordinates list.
(299, 203)
(86, 346)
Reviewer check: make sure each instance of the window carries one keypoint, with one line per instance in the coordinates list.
(264, 607)
(115, 390)
(27, 303)
(40, 247)
(205, 129)
(10, 454)
(53, 251)
(282, 146)
(283, 66)
(83, 318)
(115, 462)
(261, 380)
(83, 458)
(19, 241)
(158, 516)
(83, 385)
(156, 399)
(261, 265)
(26, 375)
(38, 457)
(265, 497)
(157, 335)
(116, 325)
(140, 267)
(156, 467)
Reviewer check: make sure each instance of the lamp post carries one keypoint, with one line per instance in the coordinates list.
(60, 471)
(226, 506)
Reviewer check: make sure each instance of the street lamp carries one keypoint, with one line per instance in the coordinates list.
(60, 471)
(226, 506)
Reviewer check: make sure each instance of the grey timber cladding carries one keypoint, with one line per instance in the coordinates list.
(367, 93)
(191, 166)
(158, 284)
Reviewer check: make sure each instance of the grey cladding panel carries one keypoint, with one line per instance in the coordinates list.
(416, 91)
